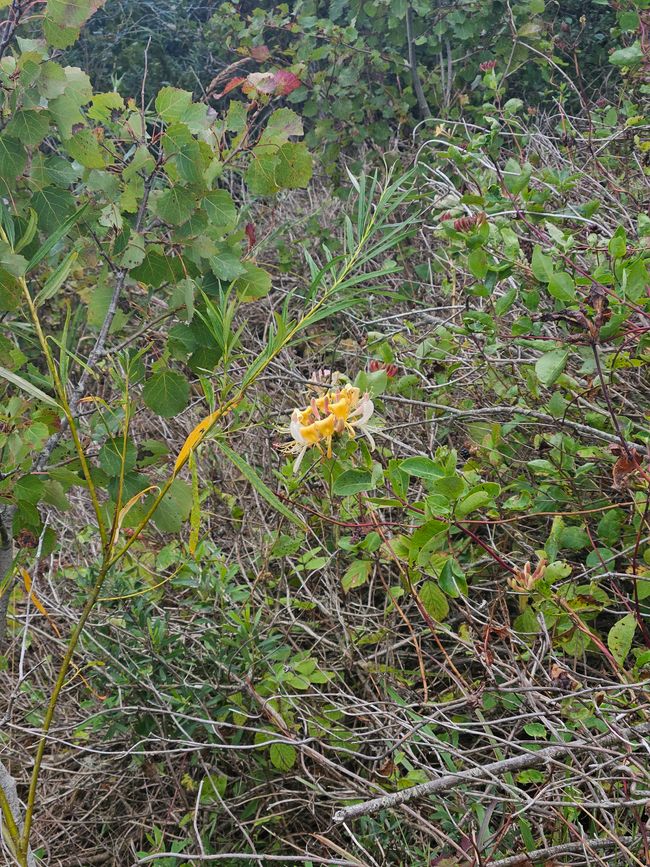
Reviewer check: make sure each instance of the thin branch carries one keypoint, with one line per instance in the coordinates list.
(250, 856)
(423, 106)
(525, 858)
(97, 351)
(517, 763)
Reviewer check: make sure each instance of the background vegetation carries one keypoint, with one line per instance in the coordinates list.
(324, 496)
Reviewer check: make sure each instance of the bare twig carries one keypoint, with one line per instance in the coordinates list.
(423, 106)
(564, 849)
(481, 772)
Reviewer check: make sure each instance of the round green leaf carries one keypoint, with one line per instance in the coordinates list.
(166, 393)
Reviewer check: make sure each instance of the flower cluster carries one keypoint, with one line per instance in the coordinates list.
(336, 411)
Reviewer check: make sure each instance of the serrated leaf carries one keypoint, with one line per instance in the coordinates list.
(175, 206)
(166, 393)
(53, 207)
(283, 756)
(434, 600)
(71, 13)
(221, 210)
(294, 166)
(254, 283)
(29, 126)
(86, 150)
(13, 159)
(172, 103)
(226, 266)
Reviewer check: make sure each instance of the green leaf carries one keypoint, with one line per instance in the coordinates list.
(13, 159)
(55, 237)
(630, 56)
(174, 508)
(549, 367)
(58, 36)
(103, 106)
(85, 149)
(226, 266)
(452, 579)
(561, 286)
(29, 126)
(53, 207)
(24, 385)
(71, 13)
(260, 486)
(618, 244)
(283, 123)
(515, 176)
(536, 730)
(175, 206)
(294, 166)
(57, 278)
(221, 211)
(449, 486)
(283, 756)
(472, 502)
(172, 103)
(620, 637)
(542, 265)
(477, 262)
(166, 393)
(574, 538)
(254, 283)
(356, 575)
(352, 482)
(421, 468)
(157, 269)
(213, 788)
(110, 456)
(434, 600)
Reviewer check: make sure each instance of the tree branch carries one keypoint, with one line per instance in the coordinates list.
(524, 858)
(423, 106)
(482, 772)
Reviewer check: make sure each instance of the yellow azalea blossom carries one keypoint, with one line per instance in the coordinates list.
(337, 411)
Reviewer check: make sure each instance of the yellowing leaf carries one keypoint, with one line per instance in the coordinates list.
(194, 438)
(124, 511)
(37, 603)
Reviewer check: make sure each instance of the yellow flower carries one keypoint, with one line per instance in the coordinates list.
(334, 412)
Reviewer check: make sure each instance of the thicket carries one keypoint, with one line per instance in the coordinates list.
(324, 494)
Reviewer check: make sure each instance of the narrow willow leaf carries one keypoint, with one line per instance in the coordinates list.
(261, 487)
(57, 278)
(55, 237)
(29, 233)
(24, 385)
